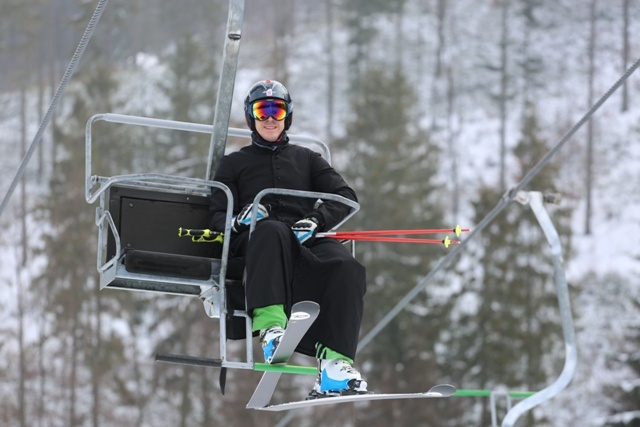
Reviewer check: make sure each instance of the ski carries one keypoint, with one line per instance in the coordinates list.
(435, 392)
(303, 314)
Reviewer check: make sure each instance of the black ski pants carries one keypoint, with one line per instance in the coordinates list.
(282, 271)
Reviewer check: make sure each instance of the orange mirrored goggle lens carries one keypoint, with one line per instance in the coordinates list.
(263, 109)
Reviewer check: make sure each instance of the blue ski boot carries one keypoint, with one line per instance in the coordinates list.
(269, 340)
(337, 377)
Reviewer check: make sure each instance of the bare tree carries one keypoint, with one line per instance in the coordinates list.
(330, 66)
(19, 267)
(625, 52)
(452, 136)
(400, 38)
(591, 76)
(284, 19)
(441, 13)
(504, 82)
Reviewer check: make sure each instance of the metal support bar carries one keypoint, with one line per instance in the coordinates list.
(92, 193)
(226, 85)
(355, 207)
(127, 119)
(494, 405)
(189, 360)
(535, 200)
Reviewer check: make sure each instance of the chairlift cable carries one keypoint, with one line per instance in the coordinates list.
(71, 69)
(502, 203)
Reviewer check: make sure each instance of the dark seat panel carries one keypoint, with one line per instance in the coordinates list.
(185, 266)
(149, 221)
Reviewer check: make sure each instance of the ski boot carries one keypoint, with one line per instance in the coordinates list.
(337, 377)
(269, 340)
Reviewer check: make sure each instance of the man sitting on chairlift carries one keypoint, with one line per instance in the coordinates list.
(284, 261)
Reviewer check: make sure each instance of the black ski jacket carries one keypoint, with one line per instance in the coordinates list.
(258, 166)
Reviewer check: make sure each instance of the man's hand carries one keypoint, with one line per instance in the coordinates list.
(242, 221)
(305, 230)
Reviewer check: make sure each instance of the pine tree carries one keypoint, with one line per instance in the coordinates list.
(189, 86)
(72, 299)
(625, 355)
(393, 166)
(509, 330)
(177, 325)
(360, 18)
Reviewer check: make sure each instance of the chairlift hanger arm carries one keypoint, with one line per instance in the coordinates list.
(226, 85)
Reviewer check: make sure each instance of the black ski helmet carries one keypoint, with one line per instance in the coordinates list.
(267, 89)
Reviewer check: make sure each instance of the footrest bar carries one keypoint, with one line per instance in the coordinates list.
(188, 360)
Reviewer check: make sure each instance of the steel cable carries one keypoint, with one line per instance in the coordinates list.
(504, 201)
(71, 69)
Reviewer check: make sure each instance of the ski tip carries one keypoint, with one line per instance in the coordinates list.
(305, 309)
(300, 315)
(442, 390)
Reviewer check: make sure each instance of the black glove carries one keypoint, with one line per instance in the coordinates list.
(242, 221)
(305, 230)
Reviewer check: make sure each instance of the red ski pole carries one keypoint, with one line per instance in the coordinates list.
(446, 241)
(346, 234)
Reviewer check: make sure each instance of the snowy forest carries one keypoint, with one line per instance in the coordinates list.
(432, 109)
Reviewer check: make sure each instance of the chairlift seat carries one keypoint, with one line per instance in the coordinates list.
(155, 259)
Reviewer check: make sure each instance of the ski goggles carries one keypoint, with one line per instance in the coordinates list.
(262, 109)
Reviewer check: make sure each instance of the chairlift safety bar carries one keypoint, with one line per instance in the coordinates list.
(91, 181)
(535, 200)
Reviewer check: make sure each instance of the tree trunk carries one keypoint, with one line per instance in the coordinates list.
(42, 375)
(96, 371)
(591, 76)
(330, 68)
(451, 145)
(21, 266)
(284, 23)
(400, 37)
(442, 11)
(625, 53)
(504, 80)
(73, 357)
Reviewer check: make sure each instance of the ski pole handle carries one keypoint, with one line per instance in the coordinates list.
(201, 235)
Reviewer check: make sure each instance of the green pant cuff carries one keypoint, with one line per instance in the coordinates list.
(269, 316)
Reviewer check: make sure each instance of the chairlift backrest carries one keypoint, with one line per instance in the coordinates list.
(149, 220)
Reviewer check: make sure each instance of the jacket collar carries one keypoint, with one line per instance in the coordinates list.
(260, 142)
